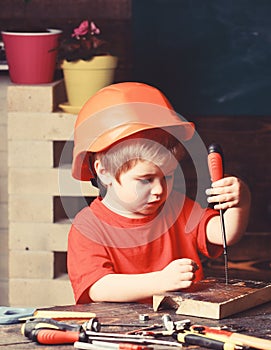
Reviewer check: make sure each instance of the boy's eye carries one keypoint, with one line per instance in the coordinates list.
(145, 181)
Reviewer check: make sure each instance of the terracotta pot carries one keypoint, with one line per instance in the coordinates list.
(84, 78)
(30, 57)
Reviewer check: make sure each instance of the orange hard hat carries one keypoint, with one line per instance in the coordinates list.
(117, 111)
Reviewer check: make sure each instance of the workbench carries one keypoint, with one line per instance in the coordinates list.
(254, 322)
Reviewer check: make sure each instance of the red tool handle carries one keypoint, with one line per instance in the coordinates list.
(50, 336)
(215, 162)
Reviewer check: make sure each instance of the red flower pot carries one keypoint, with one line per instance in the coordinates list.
(30, 56)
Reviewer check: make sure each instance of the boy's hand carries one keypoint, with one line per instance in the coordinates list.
(227, 193)
(178, 274)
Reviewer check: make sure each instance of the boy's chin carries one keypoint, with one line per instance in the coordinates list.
(151, 209)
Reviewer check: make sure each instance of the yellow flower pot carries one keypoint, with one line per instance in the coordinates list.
(84, 78)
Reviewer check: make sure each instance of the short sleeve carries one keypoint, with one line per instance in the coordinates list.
(87, 262)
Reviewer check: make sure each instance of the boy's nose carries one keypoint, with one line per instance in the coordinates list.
(157, 188)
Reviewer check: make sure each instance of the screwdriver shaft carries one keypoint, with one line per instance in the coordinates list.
(225, 247)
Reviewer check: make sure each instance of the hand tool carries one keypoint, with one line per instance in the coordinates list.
(145, 329)
(95, 346)
(216, 169)
(94, 325)
(184, 328)
(115, 346)
(51, 336)
(49, 331)
(208, 342)
(47, 323)
(124, 338)
(175, 326)
(46, 331)
(238, 338)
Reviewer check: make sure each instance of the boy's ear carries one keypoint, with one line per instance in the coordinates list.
(104, 176)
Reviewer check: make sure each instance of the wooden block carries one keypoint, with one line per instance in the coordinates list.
(39, 236)
(35, 98)
(212, 298)
(54, 181)
(31, 208)
(30, 154)
(68, 186)
(40, 292)
(61, 315)
(44, 126)
(31, 264)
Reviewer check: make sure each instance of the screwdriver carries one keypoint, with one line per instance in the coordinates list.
(99, 345)
(208, 342)
(51, 336)
(216, 169)
(47, 323)
(226, 335)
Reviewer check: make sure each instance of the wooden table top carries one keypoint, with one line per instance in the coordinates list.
(254, 322)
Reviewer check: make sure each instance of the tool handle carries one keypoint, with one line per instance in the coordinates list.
(43, 323)
(204, 341)
(49, 336)
(255, 342)
(241, 339)
(215, 162)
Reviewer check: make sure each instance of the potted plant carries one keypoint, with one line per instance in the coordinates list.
(87, 64)
(29, 52)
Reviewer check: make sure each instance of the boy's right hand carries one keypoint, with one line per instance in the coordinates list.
(178, 274)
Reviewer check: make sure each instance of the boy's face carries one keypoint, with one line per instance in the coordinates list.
(141, 190)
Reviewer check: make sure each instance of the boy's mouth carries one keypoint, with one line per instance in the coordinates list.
(154, 204)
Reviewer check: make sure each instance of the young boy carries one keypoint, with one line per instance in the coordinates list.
(134, 241)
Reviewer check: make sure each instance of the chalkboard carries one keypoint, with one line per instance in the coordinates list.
(210, 57)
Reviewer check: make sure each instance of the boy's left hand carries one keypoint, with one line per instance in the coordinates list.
(227, 193)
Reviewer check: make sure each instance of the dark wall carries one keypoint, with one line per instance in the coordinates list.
(213, 60)
(211, 57)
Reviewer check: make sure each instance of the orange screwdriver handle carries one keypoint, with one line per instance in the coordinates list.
(215, 162)
(50, 336)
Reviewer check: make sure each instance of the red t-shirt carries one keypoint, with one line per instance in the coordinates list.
(102, 242)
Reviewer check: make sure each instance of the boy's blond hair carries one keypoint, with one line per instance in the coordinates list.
(154, 145)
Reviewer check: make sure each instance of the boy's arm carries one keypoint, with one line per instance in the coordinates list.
(133, 287)
(232, 195)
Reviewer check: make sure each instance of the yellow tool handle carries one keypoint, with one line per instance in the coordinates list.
(258, 343)
(234, 337)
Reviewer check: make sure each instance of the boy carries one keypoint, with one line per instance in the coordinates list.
(134, 241)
